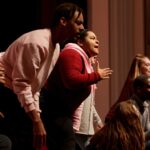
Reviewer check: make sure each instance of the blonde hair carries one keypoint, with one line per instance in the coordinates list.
(135, 70)
(123, 132)
(127, 90)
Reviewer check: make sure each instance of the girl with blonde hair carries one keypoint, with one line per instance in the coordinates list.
(140, 65)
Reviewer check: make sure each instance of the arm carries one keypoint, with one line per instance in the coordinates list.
(24, 72)
(74, 74)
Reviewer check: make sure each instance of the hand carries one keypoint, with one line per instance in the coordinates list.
(104, 73)
(2, 74)
(98, 127)
(3, 77)
(39, 135)
(93, 60)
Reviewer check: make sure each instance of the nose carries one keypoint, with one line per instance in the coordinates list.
(97, 41)
(81, 27)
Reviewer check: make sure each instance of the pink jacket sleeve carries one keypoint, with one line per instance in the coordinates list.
(24, 72)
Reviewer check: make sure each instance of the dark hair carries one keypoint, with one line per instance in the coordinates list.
(80, 35)
(141, 81)
(65, 10)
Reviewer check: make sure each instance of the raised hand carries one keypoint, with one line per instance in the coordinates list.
(103, 72)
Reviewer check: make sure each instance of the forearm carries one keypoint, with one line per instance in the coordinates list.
(34, 116)
(39, 133)
(74, 74)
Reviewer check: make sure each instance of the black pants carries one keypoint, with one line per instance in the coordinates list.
(60, 134)
(16, 123)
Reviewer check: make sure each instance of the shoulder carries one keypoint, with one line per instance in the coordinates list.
(40, 37)
(33, 43)
(70, 58)
(69, 52)
(37, 35)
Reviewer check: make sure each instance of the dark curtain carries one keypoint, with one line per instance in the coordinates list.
(20, 16)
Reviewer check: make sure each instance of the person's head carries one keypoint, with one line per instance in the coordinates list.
(124, 131)
(88, 41)
(68, 19)
(144, 66)
(141, 87)
(140, 65)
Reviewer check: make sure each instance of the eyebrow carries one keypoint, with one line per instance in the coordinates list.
(79, 21)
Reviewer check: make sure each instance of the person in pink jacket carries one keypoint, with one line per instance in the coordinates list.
(28, 62)
(69, 84)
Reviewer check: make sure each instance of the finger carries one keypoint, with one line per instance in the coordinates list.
(34, 139)
(97, 64)
(95, 59)
(1, 68)
(40, 141)
(36, 142)
(2, 81)
(44, 141)
(1, 115)
(108, 69)
(2, 74)
(108, 73)
(92, 60)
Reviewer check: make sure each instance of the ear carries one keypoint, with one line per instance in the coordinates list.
(63, 21)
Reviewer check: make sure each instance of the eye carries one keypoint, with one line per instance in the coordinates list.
(78, 22)
(146, 64)
(92, 37)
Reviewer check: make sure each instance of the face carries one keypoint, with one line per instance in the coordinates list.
(75, 25)
(146, 90)
(145, 66)
(90, 44)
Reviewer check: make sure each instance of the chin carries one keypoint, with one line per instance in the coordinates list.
(95, 54)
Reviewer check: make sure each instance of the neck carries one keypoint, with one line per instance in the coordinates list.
(140, 103)
(57, 35)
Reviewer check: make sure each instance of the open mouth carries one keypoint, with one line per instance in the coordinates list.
(96, 46)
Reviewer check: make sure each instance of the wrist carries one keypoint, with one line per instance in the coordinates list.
(35, 117)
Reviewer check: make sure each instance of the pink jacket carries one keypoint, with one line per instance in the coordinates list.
(28, 61)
